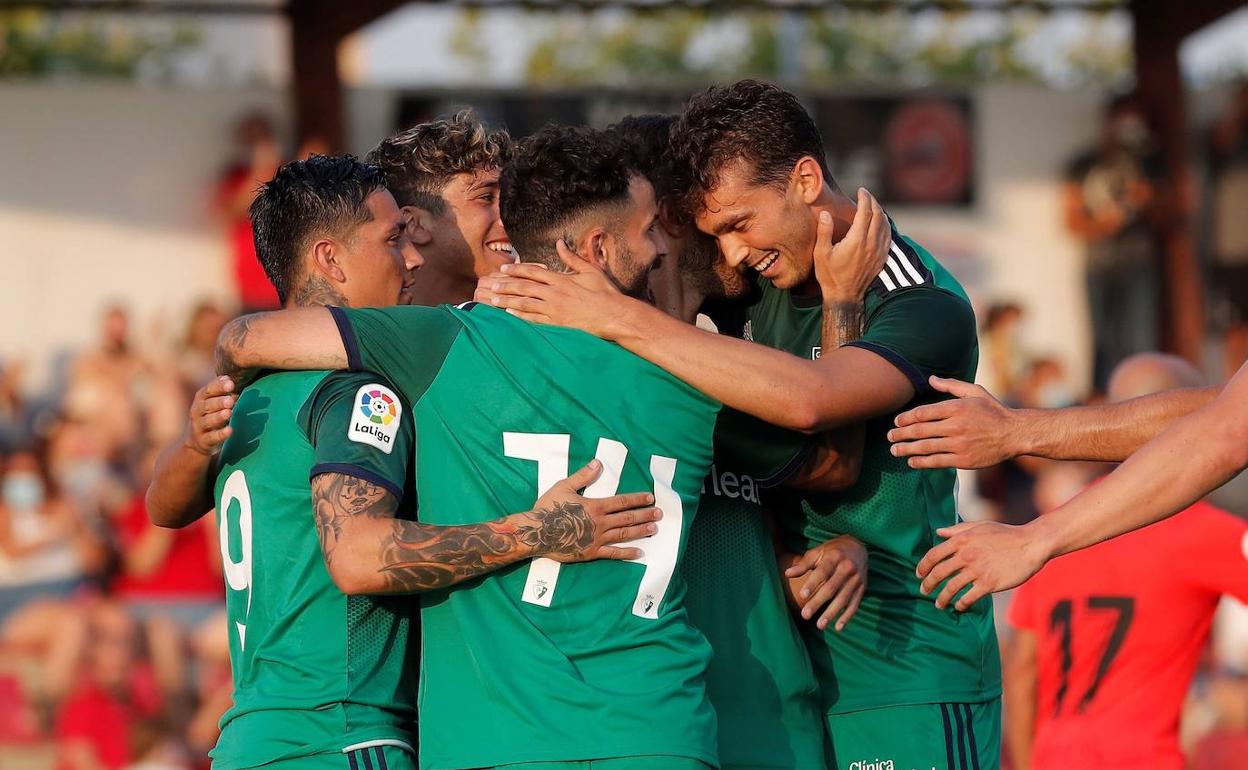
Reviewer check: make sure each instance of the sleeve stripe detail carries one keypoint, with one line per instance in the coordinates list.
(347, 469)
(898, 275)
(349, 341)
(887, 280)
(786, 471)
(904, 259)
(912, 373)
(469, 305)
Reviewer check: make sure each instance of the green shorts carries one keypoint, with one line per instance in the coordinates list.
(933, 736)
(616, 763)
(370, 758)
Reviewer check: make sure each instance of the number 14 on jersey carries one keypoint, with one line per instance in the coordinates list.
(660, 551)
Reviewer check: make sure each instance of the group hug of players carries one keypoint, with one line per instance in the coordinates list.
(385, 435)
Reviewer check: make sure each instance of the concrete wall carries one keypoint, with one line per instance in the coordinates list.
(105, 195)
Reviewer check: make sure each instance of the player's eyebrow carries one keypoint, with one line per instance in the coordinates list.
(483, 184)
(730, 223)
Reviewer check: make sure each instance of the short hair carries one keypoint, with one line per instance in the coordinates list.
(648, 139)
(323, 195)
(419, 162)
(751, 121)
(554, 177)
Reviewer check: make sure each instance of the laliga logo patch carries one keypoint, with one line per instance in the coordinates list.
(376, 418)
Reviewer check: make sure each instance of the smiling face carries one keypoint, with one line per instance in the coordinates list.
(637, 240)
(470, 232)
(761, 227)
(378, 259)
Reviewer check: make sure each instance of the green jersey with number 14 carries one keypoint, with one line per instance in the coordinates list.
(548, 662)
(315, 671)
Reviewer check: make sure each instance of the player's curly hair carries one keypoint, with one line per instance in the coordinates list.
(556, 176)
(751, 121)
(648, 139)
(307, 199)
(420, 161)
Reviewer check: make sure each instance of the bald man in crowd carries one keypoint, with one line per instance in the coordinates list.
(1106, 640)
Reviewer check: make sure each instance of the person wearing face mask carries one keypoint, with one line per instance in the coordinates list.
(1110, 199)
(44, 549)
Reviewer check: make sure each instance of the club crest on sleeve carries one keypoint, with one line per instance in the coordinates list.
(376, 417)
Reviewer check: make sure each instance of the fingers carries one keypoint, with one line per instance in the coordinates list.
(825, 229)
(800, 566)
(958, 388)
(927, 413)
(219, 386)
(624, 502)
(832, 586)
(956, 529)
(927, 446)
(215, 404)
(517, 287)
(526, 305)
(851, 609)
(628, 534)
(977, 592)
(861, 225)
(528, 271)
(570, 258)
(840, 602)
(929, 462)
(934, 556)
(940, 573)
(632, 518)
(217, 437)
(615, 552)
(918, 430)
(953, 588)
(585, 476)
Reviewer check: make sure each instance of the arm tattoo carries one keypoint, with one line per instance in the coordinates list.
(316, 291)
(410, 557)
(842, 323)
(229, 343)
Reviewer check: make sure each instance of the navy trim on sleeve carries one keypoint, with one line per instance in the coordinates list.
(349, 341)
(787, 470)
(347, 469)
(916, 377)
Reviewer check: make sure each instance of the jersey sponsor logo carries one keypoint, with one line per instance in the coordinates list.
(731, 485)
(876, 764)
(376, 418)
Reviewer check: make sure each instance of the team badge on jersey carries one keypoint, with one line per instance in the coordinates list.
(376, 418)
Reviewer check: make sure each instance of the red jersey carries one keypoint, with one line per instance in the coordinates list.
(1120, 628)
(255, 291)
(103, 720)
(186, 572)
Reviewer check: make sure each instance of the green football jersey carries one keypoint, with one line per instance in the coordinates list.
(899, 649)
(543, 662)
(760, 679)
(314, 671)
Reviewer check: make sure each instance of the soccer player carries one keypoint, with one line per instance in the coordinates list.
(539, 664)
(1091, 626)
(444, 176)
(760, 679)
(324, 675)
(904, 683)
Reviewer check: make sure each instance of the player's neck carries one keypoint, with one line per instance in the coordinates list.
(437, 287)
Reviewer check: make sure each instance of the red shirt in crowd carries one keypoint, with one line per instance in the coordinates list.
(255, 292)
(1120, 628)
(187, 571)
(104, 720)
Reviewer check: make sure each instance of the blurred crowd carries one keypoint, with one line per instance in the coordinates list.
(113, 646)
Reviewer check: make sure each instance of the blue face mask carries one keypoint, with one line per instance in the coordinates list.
(23, 491)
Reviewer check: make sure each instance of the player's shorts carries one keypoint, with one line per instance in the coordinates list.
(943, 736)
(616, 763)
(370, 758)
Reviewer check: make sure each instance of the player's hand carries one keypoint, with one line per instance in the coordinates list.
(975, 430)
(829, 581)
(584, 299)
(209, 420)
(847, 268)
(574, 528)
(984, 556)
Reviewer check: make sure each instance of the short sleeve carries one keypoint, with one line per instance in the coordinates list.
(924, 331)
(768, 453)
(359, 426)
(406, 345)
(1022, 611)
(1220, 553)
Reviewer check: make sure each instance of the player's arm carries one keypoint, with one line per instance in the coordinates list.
(975, 430)
(1019, 696)
(181, 488)
(299, 338)
(369, 551)
(1194, 456)
(843, 386)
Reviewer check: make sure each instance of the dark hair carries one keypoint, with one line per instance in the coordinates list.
(420, 161)
(648, 139)
(555, 176)
(325, 194)
(751, 121)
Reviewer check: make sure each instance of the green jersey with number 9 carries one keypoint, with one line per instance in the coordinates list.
(315, 672)
(548, 662)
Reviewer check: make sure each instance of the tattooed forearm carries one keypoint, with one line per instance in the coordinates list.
(842, 323)
(230, 342)
(370, 550)
(316, 291)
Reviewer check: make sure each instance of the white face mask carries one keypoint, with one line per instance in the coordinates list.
(23, 491)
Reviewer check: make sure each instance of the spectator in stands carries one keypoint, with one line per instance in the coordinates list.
(1226, 747)
(1004, 359)
(15, 418)
(1110, 204)
(106, 384)
(94, 726)
(1228, 228)
(258, 156)
(1094, 627)
(195, 355)
(45, 548)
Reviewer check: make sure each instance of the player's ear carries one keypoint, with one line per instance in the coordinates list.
(419, 225)
(327, 260)
(599, 247)
(807, 178)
